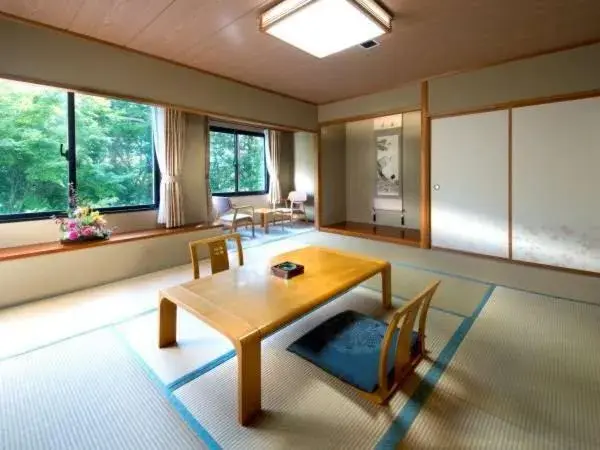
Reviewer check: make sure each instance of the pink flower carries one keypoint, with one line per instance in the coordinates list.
(73, 235)
(72, 224)
(87, 231)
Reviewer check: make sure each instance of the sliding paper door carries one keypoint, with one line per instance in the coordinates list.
(556, 168)
(469, 177)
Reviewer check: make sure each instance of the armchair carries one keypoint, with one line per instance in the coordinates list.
(232, 216)
(295, 206)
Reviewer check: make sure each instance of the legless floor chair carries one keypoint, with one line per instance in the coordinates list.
(372, 356)
(217, 249)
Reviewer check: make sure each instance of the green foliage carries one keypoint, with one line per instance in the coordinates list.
(33, 123)
(115, 163)
(250, 161)
(222, 162)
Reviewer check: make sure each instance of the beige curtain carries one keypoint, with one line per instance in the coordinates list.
(209, 205)
(273, 153)
(169, 153)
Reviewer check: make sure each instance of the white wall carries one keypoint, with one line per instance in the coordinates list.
(469, 163)
(58, 58)
(332, 160)
(53, 274)
(559, 73)
(36, 231)
(405, 98)
(556, 157)
(361, 171)
(286, 163)
(192, 177)
(305, 168)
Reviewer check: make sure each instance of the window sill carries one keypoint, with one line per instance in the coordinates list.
(240, 194)
(46, 248)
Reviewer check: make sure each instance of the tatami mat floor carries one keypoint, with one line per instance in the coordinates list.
(514, 363)
(525, 376)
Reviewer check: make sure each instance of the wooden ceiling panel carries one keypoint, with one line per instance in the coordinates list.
(429, 38)
(58, 13)
(187, 23)
(240, 43)
(116, 21)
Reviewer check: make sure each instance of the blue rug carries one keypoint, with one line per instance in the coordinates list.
(275, 234)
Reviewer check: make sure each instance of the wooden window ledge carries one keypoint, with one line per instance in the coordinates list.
(46, 248)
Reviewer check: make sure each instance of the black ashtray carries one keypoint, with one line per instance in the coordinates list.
(287, 270)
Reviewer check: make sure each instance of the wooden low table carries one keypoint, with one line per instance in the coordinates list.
(247, 304)
(267, 215)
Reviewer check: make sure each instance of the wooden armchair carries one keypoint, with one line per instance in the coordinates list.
(370, 355)
(233, 216)
(295, 206)
(217, 249)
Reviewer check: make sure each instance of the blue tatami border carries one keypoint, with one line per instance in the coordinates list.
(191, 376)
(81, 333)
(183, 412)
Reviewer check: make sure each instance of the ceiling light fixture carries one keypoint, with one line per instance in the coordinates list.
(324, 27)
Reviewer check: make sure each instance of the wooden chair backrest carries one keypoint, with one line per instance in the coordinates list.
(409, 313)
(217, 249)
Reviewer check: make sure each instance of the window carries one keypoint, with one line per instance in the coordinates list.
(50, 138)
(115, 152)
(237, 162)
(33, 175)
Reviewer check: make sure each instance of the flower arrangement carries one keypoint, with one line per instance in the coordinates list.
(82, 223)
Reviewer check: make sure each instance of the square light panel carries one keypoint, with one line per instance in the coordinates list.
(324, 27)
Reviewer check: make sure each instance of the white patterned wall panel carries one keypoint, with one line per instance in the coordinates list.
(556, 199)
(469, 163)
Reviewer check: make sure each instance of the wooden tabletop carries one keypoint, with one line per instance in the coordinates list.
(264, 210)
(249, 298)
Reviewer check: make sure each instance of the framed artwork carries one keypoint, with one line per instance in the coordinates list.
(388, 165)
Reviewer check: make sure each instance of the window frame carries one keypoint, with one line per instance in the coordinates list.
(71, 158)
(236, 132)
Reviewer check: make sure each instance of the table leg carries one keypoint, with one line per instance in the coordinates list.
(167, 323)
(386, 286)
(249, 392)
(266, 223)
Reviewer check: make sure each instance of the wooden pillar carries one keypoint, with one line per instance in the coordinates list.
(425, 167)
(318, 186)
(317, 206)
(510, 193)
